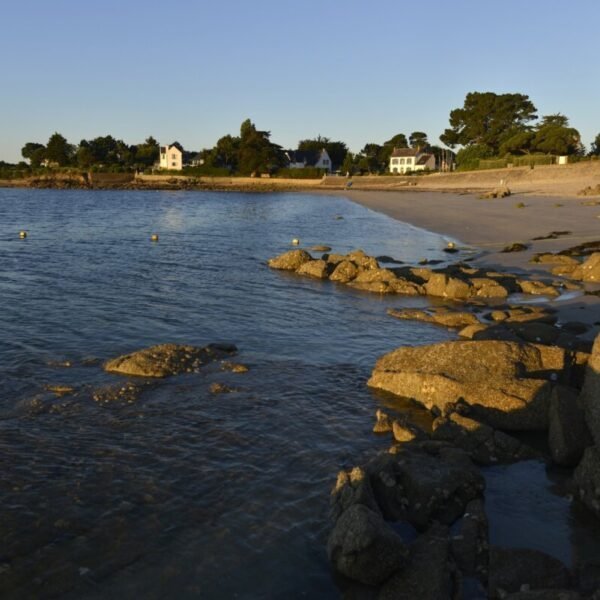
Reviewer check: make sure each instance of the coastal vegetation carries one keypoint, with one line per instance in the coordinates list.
(489, 131)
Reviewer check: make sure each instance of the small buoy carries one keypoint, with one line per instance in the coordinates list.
(22, 234)
(154, 237)
(295, 242)
(451, 245)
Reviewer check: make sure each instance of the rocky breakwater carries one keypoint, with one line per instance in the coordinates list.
(455, 282)
(411, 522)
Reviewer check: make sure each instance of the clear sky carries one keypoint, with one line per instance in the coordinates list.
(354, 71)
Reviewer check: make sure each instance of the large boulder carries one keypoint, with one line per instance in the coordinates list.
(511, 568)
(440, 284)
(424, 484)
(507, 384)
(427, 575)
(167, 359)
(364, 548)
(290, 261)
(568, 435)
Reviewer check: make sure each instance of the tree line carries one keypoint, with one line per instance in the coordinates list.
(488, 125)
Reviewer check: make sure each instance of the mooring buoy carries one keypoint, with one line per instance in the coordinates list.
(22, 234)
(295, 242)
(154, 237)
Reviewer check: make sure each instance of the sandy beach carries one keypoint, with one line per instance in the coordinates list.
(490, 225)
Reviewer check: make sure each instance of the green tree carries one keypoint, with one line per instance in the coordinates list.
(595, 149)
(487, 119)
(398, 141)
(520, 142)
(225, 153)
(349, 164)
(34, 152)
(146, 154)
(418, 139)
(553, 136)
(337, 150)
(469, 156)
(257, 154)
(58, 150)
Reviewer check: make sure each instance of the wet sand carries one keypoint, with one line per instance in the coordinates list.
(490, 225)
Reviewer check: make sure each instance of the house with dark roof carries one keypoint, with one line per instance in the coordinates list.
(404, 160)
(300, 159)
(171, 157)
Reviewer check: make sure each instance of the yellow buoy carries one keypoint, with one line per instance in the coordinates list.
(451, 245)
(22, 234)
(154, 237)
(295, 242)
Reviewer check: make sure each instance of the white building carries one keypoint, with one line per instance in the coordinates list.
(404, 160)
(300, 159)
(171, 157)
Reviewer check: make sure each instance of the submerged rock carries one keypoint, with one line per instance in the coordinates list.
(446, 318)
(589, 270)
(511, 568)
(167, 359)
(507, 384)
(290, 261)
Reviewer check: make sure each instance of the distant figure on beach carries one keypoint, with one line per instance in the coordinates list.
(348, 185)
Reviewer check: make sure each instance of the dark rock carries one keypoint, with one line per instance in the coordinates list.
(575, 327)
(167, 359)
(233, 367)
(424, 484)
(568, 435)
(405, 431)
(470, 542)
(590, 393)
(427, 575)
(364, 548)
(588, 576)
(545, 595)
(549, 258)
(290, 261)
(587, 479)
(127, 393)
(485, 445)
(516, 247)
(321, 248)
(534, 331)
(553, 235)
(388, 260)
(221, 388)
(506, 383)
(352, 487)
(511, 568)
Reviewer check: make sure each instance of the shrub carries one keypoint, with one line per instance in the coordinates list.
(306, 173)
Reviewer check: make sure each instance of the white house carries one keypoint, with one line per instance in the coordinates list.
(404, 160)
(171, 157)
(299, 159)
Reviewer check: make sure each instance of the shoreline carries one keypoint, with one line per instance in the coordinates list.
(491, 225)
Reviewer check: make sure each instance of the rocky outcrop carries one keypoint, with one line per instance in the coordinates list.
(507, 384)
(455, 282)
(364, 548)
(443, 317)
(512, 568)
(485, 445)
(420, 484)
(167, 359)
(587, 479)
(589, 270)
(470, 542)
(290, 261)
(427, 575)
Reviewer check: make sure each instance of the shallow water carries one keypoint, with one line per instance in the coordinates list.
(183, 493)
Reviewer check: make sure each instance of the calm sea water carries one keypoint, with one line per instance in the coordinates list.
(182, 493)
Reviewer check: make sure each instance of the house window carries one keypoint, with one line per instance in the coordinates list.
(395, 162)
(409, 161)
(173, 164)
(325, 161)
(401, 161)
(173, 156)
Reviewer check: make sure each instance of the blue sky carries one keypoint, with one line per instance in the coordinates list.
(355, 71)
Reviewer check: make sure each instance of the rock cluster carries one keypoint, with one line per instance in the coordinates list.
(411, 522)
(456, 282)
(167, 359)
